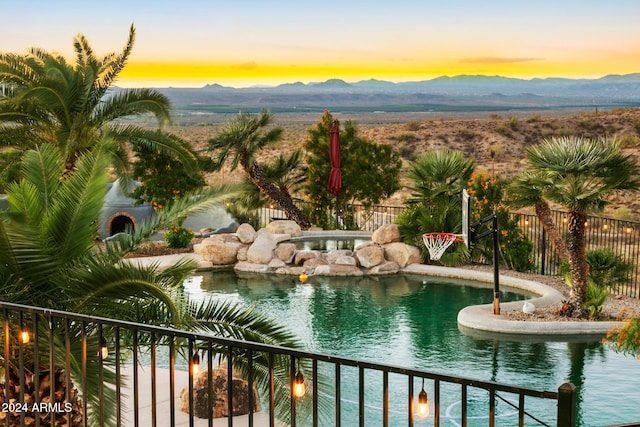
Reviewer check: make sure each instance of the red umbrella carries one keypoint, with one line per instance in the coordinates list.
(335, 177)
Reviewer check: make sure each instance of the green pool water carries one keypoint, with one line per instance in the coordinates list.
(411, 321)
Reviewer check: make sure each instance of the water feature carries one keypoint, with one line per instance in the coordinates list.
(411, 321)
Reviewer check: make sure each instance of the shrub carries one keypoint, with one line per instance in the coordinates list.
(178, 236)
(487, 196)
(413, 126)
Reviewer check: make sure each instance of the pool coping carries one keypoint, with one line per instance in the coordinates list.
(479, 320)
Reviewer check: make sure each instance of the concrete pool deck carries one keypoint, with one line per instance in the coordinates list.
(473, 320)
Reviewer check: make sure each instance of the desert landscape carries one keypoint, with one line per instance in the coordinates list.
(496, 141)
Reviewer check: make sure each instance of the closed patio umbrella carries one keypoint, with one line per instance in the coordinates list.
(335, 176)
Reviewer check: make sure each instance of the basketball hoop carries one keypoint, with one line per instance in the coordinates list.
(437, 243)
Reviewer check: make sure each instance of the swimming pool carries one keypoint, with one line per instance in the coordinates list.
(410, 321)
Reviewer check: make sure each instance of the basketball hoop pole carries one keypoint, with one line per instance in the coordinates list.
(496, 248)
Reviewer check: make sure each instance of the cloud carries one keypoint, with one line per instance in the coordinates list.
(251, 65)
(497, 60)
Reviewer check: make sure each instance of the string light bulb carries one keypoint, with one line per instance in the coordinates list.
(299, 389)
(103, 352)
(423, 403)
(195, 364)
(25, 337)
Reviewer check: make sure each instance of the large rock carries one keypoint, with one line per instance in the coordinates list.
(334, 254)
(302, 256)
(285, 252)
(312, 263)
(246, 233)
(284, 227)
(402, 254)
(261, 250)
(370, 256)
(219, 249)
(346, 260)
(387, 267)
(337, 270)
(239, 394)
(251, 267)
(386, 234)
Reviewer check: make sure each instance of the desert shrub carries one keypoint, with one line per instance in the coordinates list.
(514, 124)
(636, 124)
(629, 141)
(406, 151)
(504, 129)
(178, 236)
(487, 197)
(404, 137)
(466, 135)
(443, 137)
(534, 118)
(496, 151)
(495, 116)
(623, 213)
(626, 340)
(413, 126)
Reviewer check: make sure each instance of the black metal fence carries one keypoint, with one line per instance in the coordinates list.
(621, 236)
(62, 369)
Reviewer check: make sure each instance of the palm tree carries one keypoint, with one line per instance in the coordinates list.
(438, 179)
(49, 259)
(579, 174)
(71, 106)
(242, 139)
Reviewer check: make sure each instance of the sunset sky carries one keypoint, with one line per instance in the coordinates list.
(252, 42)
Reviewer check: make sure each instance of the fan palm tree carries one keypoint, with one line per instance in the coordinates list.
(438, 179)
(48, 99)
(579, 174)
(49, 259)
(242, 139)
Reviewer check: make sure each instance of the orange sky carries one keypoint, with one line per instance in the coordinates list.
(262, 43)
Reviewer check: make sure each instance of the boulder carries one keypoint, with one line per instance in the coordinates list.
(284, 227)
(251, 267)
(386, 234)
(246, 233)
(312, 263)
(242, 252)
(387, 267)
(219, 385)
(402, 253)
(334, 254)
(337, 270)
(302, 256)
(285, 252)
(276, 263)
(219, 249)
(261, 250)
(370, 256)
(345, 260)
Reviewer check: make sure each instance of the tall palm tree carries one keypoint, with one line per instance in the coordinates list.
(579, 174)
(48, 99)
(242, 139)
(49, 259)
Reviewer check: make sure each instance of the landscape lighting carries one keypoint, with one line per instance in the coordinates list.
(299, 389)
(195, 364)
(103, 352)
(24, 336)
(423, 403)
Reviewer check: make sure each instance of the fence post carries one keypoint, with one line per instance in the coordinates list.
(567, 405)
(544, 251)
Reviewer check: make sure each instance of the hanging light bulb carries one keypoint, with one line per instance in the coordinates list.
(195, 364)
(423, 403)
(25, 337)
(103, 352)
(299, 389)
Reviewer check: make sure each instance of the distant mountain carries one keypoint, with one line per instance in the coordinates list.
(439, 94)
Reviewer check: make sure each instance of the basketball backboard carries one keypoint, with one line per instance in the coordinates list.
(465, 217)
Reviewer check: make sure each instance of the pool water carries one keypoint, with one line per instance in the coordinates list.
(411, 321)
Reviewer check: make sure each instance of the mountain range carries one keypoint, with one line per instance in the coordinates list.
(457, 93)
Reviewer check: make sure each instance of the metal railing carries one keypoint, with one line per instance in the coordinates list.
(71, 350)
(621, 236)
